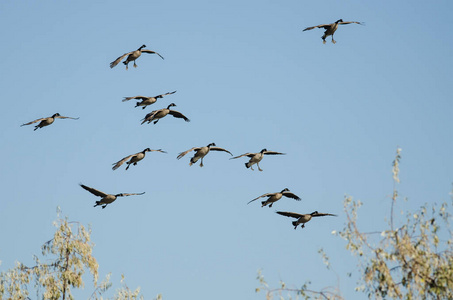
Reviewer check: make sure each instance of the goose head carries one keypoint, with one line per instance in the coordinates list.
(56, 115)
(211, 144)
(141, 47)
(314, 213)
(147, 150)
(341, 20)
(285, 190)
(170, 105)
(264, 150)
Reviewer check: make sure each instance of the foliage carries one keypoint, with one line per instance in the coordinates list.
(68, 256)
(411, 261)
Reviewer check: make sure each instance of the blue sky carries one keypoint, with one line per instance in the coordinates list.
(248, 78)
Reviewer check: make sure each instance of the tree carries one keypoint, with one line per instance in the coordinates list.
(68, 255)
(410, 261)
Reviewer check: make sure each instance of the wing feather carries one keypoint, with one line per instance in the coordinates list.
(122, 161)
(322, 215)
(129, 194)
(351, 22)
(325, 26)
(136, 97)
(289, 214)
(291, 195)
(179, 115)
(265, 195)
(273, 153)
(62, 117)
(93, 191)
(245, 154)
(152, 52)
(117, 61)
(220, 149)
(180, 155)
(37, 120)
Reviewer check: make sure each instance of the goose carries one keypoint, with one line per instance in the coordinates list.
(274, 197)
(132, 56)
(156, 115)
(146, 100)
(201, 152)
(255, 158)
(47, 121)
(302, 218)
(106, 198)
(134, 158)
(330, 29)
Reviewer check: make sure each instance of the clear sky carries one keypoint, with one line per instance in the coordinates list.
(248, 78)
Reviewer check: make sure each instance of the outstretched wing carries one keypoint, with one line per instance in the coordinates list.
(117, 61)
(159, 150)
(160, 96)
(291, 195)
(343, 23)
(93, 191)
(179, 115)
(37, 120)
(322, 215)
(273, 153)
(129, 194)
(62, 117)
(151, 52)
(289, 214)
(220, 149)
(245, 154)
(325, 26)
(136, 97)
(265, 195)
(185, 152)
(119, 163)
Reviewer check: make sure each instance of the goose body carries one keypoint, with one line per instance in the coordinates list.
(134, 158)
(47, 121)
(132, 56)
(255, 158)
(274, 197)
(302, 218)
(201, 152)
(145, 101)
(156, 115)
(106, 198)
(330, 29)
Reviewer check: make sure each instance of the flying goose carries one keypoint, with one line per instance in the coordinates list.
(201, 152)
(255, 158)
(106, 198)
(146, 100)
(47, 121)
(156, 115)
(274, 197)
(330, 29)
(132, 56)
(302, 218)
(134, 158)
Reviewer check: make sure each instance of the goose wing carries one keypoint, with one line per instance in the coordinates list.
(322, 215)
(325, 26)
(289, 214)
(273, 153)
(136, 97)
(158, 150)
(93, 191)
(122, 161)
(265, 195)
(245, 154)
(352, 22)
(180, 155)
(117, 61)
(129, 194)
(162, 95)
(63, 117)
(150, 115)
(179, 115)
(37, 120)
(152, 52)
(291, 195)
(220, 149)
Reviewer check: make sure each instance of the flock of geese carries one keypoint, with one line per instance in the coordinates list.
(200, 152)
